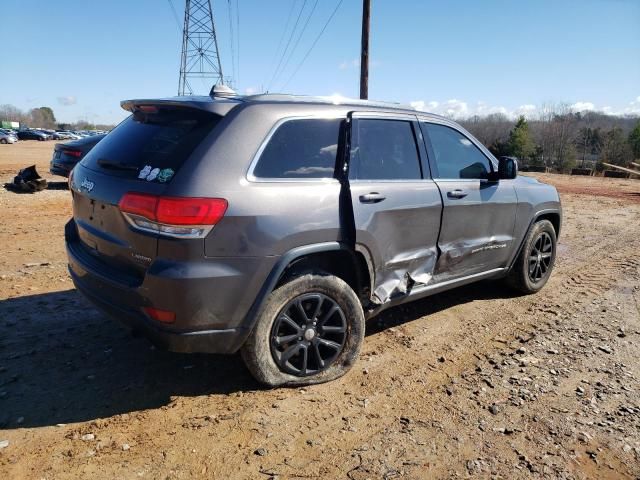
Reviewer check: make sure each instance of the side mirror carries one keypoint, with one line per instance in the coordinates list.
(507, 168)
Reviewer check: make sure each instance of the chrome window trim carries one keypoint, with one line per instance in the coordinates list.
(254, 162)
(391, 180)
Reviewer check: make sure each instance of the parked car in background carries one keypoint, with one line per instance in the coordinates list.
(32, 135)
(69, 135)
(8, 131)
(58, 136)
(48, 133)
(66, 155)
(7, 138)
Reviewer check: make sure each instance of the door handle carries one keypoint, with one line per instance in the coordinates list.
(457, 193)
(373, 197)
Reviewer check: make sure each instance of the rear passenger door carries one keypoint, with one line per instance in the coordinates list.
(479, 215)
(396, 205)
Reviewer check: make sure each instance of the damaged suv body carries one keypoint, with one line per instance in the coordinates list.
(276, 225)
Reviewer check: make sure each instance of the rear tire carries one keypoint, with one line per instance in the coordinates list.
(535, 262)
(316, 357)
(3, 141)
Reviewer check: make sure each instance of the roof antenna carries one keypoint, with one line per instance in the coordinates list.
(222, 91)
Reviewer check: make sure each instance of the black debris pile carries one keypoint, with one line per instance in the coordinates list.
(27, 181)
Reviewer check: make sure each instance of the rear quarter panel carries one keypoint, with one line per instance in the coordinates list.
(264, 218)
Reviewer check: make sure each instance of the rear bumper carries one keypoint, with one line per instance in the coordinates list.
(204, 341)
(59, 170)
(62, 168)
(210, 297)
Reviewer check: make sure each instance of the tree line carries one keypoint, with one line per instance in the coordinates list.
(44, 117)
(560, 138)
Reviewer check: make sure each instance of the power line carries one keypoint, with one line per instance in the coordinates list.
(233, 55)
(295, 46)
(175, 15)
(313, 44)
(286, 48)
(238, 39)
(284, 32)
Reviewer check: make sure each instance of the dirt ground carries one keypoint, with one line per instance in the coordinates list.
(475, 382)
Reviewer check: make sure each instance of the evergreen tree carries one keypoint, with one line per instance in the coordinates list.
(634, 141)
(616, 150)
(520, 143)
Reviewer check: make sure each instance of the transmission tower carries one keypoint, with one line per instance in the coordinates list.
(200, 56)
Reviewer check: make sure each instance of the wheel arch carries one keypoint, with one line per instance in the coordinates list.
(554, 216)
(334, 258)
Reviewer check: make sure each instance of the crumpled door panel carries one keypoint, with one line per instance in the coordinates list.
(402, 272)
(400, 233)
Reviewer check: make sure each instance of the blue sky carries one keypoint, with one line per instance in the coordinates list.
(454, 57)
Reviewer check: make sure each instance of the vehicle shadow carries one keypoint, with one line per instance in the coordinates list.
(62, 361)
(57, 185)
(408, 312)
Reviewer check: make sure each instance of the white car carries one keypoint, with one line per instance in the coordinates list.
(7, 138)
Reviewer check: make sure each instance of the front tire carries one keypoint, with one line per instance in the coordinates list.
(535, 262)
(309, 331)
(3, 141)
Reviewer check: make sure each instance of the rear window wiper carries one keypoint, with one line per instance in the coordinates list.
(116, 165)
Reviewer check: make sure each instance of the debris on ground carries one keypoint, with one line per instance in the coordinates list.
(27, 181)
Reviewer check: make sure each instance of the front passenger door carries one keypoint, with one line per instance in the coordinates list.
(478, 219)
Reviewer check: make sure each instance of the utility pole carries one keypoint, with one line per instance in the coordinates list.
(200, 56)
(364, 54)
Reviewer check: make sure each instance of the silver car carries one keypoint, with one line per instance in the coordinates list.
(6, 137)
(274, 225)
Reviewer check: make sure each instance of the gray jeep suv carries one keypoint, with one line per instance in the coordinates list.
(275, 225)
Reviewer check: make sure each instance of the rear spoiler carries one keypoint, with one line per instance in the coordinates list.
(217, 106)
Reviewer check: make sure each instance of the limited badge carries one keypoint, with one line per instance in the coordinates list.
(144, 172)
(165, 175)
(153, 174)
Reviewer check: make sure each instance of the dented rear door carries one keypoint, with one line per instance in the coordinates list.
(396, 205)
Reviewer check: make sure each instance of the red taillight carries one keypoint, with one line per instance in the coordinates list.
(164, 316)
(73, 153)
(174, 216)
(139, 204)
(190, 211)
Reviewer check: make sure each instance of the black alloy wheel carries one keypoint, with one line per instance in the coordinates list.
(540, 257)
(308, 334)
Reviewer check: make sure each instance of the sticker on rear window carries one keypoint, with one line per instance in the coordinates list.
(153, 174)
(144, 172)
(165, 175)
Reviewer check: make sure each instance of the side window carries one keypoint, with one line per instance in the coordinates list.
(456, 156)
(386, 151)
(305, 148)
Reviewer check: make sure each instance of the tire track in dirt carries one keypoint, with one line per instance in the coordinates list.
(365, 412)
(516, 316)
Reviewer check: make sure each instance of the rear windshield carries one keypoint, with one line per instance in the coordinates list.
(152, 146)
